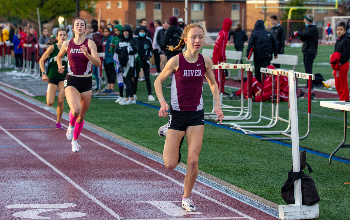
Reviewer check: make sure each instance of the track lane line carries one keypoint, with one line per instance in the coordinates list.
(137, 162)
(98, 202)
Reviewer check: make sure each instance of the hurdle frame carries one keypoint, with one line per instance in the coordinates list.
(297, 210)
(244, 111)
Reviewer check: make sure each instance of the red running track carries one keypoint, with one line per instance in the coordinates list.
(42, 179)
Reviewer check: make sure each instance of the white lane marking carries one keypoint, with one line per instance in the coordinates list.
(110, 211)
(65, 215)
(41, 206)
(192, 218)
(137, 162)
(33, 213)
(169, 208)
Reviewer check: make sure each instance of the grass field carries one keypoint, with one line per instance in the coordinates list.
(257, 166)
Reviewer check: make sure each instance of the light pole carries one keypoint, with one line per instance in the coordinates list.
(186, 11)
(78, 8)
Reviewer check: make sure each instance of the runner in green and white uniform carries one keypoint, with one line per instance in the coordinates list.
(53, 77)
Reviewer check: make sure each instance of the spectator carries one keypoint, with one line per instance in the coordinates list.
(69, 32)
(309, 49)
(118, 29)
(11, 35)
(18, 50)
(43, 39)
(88, 32)
(264, 45)
(162, 47)
(144, 45)
(239, 37)
(31, 39)
(102, 25)
(329, 33)
(1, 29)
(5, 34)
(108, 61)
(278, 34)
(143, 22)
(54, 32)
(155, 45)
(219, 55)
(115, 22)
(94, 21)
(341, 66)
(97, 38)
(172, 38)
(181, 23)
(151, 29)
(110, 28)
(126, 50)
(348, 27)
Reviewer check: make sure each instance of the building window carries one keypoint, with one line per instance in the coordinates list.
(319, 10)
(234, 23)
(197, 7)
(140, 5)
(235, 7)
(176, 12)
(108, 5)
(320, 24)
(157, 6)
(119, 4)
(108, 20)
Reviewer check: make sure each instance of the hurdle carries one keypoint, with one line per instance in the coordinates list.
(244, 111)
(310, 77)
(297, 210)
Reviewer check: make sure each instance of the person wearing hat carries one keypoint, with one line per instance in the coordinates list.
(181, 23)
(310, 44)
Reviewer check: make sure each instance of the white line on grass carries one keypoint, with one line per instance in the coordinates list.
(135, 161)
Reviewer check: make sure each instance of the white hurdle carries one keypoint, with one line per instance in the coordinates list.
(8, 56)
(297, 210)
(244, 112)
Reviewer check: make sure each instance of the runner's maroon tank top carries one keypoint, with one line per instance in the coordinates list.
(187, 85)
(78, 63)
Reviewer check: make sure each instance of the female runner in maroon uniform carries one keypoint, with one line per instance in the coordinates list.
(81, 53)
(186, 114)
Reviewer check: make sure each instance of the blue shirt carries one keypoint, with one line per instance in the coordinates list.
(16, 42)
(108, 55)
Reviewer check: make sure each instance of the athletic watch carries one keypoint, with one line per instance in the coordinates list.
(43, 73)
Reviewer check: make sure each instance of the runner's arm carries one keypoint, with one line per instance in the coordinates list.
(93, 57)
(44, 57)
(213, 87)
(169, 68)
(60, 56)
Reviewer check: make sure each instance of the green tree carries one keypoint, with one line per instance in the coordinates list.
(49, 9)
(296, 14)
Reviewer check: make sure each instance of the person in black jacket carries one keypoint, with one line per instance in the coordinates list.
(348, 27)
(278, 34)
(172, 37)
(342, 46)
(310, 44)
(264, 45)
(239, 37)
(126, 49)
(145, 49)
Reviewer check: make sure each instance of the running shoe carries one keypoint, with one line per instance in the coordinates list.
(119, 99)
(151, 98)
(59, 126)
(75, 146)
(163, 130)
(188, 204)
(125, 102)
(142, 79)
(135, 97)
(133, 101)
(69, 133)
(234, 96)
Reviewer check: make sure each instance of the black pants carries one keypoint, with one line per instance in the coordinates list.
(134, 81)
(157, 59)
(260, 62)
(308, 61)
(128, 81)
(32, 58)
(19, 60)
(110, 72)
(239, 49)
(145, 67)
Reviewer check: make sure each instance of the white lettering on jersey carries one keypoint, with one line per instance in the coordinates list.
(192, 73)
(75, 51)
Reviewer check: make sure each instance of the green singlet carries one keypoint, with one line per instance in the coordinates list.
(53, 68)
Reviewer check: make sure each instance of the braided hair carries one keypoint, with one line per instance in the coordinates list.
(184, 36)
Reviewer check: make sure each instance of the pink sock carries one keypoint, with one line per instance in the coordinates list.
(72, 119)
(77, 130)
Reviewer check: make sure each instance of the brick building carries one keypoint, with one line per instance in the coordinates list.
(131, 11)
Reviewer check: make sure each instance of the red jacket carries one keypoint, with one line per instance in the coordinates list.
(31, 39)
(221, 41)
(335, 57)
(283, 84)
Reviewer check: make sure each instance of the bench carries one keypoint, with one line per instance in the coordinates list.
(282, 59)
